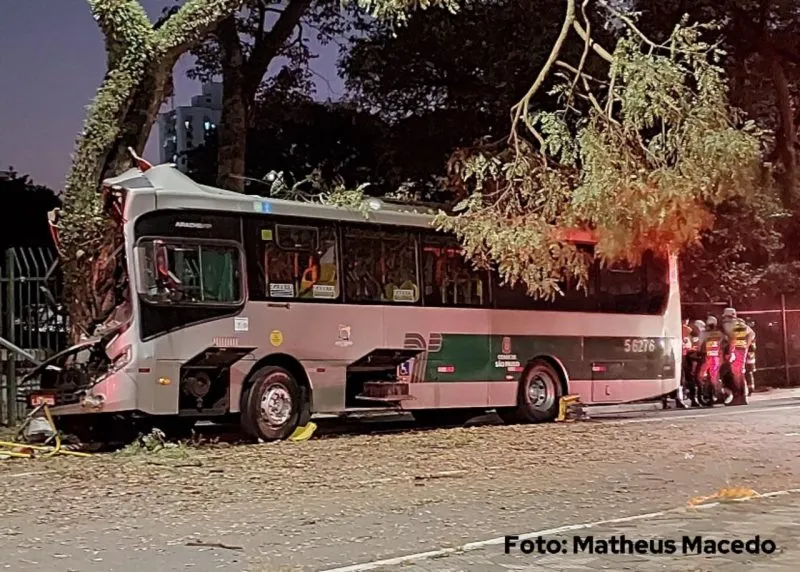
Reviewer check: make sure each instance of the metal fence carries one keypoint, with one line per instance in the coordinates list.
(777, 330)
(31, 317)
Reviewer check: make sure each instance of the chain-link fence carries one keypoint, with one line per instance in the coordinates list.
(31, 318)
(777, 338)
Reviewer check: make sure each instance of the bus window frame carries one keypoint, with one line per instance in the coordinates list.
(144, 297)
(289, 220)
(489, 304)
(343, 226)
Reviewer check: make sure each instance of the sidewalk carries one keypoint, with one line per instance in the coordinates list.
(775, 519)
(772, 394)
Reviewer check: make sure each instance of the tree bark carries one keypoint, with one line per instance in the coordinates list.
(787, 136)
(234, 120)
(241, 78)
(140, 62)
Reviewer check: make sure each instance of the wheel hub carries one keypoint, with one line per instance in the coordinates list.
(276, 405)
(541, 392)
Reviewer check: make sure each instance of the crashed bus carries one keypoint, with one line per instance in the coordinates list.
(271, 311)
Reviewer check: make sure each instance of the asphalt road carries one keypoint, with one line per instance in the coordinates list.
(357, 500)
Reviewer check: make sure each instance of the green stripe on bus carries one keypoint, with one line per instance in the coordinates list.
(479, 357)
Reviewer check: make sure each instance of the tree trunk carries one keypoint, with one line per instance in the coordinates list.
(233, 122)
(786, 136)
(86, 234)
(241, 78)
(140, 61)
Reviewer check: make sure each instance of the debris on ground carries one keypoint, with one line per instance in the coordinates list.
(726, 494)
(303, 433)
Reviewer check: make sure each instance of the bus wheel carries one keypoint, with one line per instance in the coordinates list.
(271, 409)
(537, 397)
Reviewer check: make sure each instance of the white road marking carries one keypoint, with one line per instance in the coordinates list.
(363, 567)
(30, 474)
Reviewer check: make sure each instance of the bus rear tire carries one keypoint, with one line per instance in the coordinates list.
(538, 395)
(272, 404)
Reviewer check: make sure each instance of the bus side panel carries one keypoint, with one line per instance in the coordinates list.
(324, 338)
(454, 367)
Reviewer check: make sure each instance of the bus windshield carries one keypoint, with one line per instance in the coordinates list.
(188, 272)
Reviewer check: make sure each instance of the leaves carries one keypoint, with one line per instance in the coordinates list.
(643, 164)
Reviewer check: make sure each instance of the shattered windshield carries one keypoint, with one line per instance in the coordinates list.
(189, 273)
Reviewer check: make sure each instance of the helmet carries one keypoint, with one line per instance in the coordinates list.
(728, 313)
(711, 321)
(699, 325)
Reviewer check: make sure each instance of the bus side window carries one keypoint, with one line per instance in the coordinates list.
(448, 278)
(657, 275)
(380, 265)
(292, 261)
(622, 289)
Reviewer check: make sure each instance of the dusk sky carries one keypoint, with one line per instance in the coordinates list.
(52, 59)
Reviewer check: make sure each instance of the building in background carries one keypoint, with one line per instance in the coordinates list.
(187, 127)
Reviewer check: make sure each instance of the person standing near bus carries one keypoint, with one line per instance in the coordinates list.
(692, 360)
(711, 342)
(679, 395)
(750, 364)
(739, 337)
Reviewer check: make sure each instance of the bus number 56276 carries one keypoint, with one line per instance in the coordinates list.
(640, 345)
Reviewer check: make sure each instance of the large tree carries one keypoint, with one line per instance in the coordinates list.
(761, 45)
(753, 248)
(641, 152)
(445, 80)
(242, 49)
(141, 57)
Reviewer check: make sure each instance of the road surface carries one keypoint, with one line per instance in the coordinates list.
(413, 500)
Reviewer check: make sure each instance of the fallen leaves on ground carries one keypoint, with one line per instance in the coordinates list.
(552, 459)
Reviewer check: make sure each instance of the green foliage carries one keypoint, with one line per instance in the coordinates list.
(314, 188)
(643, 164)
(441, 82)
(399, 10)
(135, 48)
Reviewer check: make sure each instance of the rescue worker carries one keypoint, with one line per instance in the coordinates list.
(739, 337)
(711, 346)
(692, 360)
(750, 364)
(679, 395)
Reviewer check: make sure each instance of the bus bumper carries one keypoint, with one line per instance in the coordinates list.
(114, 394)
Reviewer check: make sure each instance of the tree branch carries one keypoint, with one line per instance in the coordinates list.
(573, 69)
(265, 52)
(194, 21)
(586, 48)
(521, 109)
(598, 49)
(108, 16)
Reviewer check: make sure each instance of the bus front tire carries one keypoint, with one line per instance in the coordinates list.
(272, 404)
(538, 396)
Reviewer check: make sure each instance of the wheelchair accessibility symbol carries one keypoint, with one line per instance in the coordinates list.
(405, 368)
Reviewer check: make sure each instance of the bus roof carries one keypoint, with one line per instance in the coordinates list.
(174, 190)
